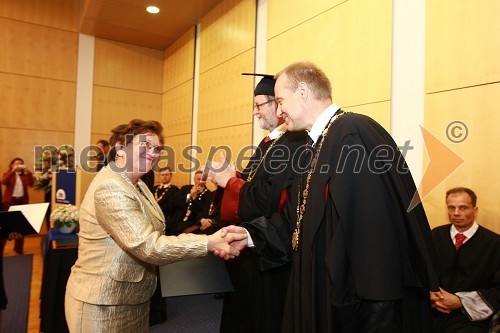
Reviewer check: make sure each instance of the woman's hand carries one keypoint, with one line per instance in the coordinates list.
(227, 245)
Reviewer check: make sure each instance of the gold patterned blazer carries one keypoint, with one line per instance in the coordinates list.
(122, 241)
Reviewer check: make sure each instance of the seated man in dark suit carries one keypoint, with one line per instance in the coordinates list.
(190, 204)
(165, 191)
(470, 268)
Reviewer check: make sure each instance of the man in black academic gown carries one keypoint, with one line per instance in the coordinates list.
(257, 303)
(361, 262)
(189, 205)
(165, 191)
(470, 268)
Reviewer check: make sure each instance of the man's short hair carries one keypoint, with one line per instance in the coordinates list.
(162, 170)
(312, 75)
(470, 192)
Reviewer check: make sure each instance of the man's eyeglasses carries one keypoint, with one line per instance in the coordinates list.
(150, 147)
(257, 106)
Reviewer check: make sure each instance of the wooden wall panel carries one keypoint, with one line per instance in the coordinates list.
(381, 112)
(182, 166)
(94, 137)
(235, 139)
(462, 43)
(293, 13)
(477, 108)
(178, 66)
(38, 65)
(112, 106)
(356, 57)
(38, 51)
(127, 66)
(462, 75)
(29, 102)
(226, 32)
(226, 96)
(21, 143)
(59, 14)
(177, 109)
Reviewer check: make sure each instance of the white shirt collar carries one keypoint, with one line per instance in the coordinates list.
(468, 233)
(320, 123)
(277, 131)
(165, 185)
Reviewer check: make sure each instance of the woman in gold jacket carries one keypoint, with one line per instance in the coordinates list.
(122, 241)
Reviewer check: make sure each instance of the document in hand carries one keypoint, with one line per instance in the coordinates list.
(24, 219)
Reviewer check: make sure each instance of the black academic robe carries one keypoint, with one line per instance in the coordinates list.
(166, 195)
(474, 267)
(176, 223)
(359, 246)
(257, 303)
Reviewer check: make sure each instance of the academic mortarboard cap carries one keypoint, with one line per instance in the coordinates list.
(265, 85)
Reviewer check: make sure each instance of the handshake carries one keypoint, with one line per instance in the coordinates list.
(228, 242)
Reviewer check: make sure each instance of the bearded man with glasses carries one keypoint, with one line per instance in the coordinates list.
(260, 283)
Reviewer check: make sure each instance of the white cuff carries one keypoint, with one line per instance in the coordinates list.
(476, 307)
(249, 239)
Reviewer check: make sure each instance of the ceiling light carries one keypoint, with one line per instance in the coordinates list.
(153, 9)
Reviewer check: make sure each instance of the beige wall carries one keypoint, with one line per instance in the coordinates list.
(127, 85)
(346, 39)
(177, 102)
(227, 49)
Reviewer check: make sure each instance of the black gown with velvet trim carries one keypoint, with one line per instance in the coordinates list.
(359, 246)
(474, 267)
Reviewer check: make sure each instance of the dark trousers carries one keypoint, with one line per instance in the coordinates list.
(457, 322)
(18, 242)
(369, 316)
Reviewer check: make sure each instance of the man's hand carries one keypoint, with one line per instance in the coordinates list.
(222, 245)
(238, 244)
(205, 223)
(444, 301)
(221, 172)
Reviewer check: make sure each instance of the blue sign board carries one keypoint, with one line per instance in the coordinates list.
(66, 187)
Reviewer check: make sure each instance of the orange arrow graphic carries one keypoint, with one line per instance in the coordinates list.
(442, 163)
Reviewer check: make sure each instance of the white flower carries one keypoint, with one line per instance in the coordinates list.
(65, 215)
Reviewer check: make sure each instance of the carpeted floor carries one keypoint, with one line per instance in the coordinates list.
(17, 280)
(191, 314)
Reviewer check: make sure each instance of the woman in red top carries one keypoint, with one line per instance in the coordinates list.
(16, 181)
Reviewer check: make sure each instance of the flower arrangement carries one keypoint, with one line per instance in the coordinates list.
(64, 216)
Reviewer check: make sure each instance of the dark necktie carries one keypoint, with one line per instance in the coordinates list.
(459, 240)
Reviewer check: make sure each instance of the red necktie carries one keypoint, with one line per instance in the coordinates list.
(459, 240)
(267, 139)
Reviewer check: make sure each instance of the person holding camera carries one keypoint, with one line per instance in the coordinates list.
(16, 181)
